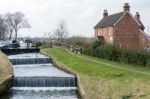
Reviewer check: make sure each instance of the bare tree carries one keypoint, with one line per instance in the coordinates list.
(61, 32)
(3, 28)
(16, 22)
(50, 36)
(8, 20)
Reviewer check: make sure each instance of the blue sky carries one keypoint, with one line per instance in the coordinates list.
(80, 15)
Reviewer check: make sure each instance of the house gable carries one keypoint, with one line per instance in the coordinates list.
(125, 15)
(127, 32)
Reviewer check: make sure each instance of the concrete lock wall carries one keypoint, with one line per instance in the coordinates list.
(6, 73)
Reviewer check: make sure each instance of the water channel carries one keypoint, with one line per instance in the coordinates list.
(35, 77)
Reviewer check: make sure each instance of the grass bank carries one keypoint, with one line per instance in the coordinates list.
(103, 79)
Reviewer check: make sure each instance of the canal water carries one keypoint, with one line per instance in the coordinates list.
(35, 77)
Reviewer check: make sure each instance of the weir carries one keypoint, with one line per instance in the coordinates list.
(44, 82)
(30, 61)
(35, 77)
(15, 51)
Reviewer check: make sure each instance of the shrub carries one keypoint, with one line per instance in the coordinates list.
(114, 53)
(38, 44)
(127, 96)
(80, 41)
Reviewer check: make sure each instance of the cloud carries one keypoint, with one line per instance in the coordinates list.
(80, 15)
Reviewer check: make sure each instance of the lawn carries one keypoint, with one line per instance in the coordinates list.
(102, 79)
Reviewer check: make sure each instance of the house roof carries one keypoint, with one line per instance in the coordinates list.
(112, 19)
(146, 35)
(109, 20)
(142, 26)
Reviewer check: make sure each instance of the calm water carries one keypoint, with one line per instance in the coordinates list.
(40, 81)
(47, 70)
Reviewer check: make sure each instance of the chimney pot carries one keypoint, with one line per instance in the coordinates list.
(137, 13)
(126, 7)
(105, 14)
(137, 16)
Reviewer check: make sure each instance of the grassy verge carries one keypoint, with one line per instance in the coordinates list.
(103, 79)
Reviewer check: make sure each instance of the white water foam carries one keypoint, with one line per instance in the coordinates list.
(44, 88)
(27, 55)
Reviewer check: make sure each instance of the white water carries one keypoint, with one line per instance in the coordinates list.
(27, 55)
(40, 94)
(47, 77)
(44, 88)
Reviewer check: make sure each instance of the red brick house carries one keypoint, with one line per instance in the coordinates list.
(122, 29)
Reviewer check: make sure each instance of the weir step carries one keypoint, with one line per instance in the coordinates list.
(44, 82)
(15, 51)
(30, 61)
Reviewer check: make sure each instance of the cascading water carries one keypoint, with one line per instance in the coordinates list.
(30, 61)
(36, 78)
(44, 82)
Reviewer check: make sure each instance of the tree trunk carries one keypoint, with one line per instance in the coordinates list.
(15, 35)
(10, 36)
(3, 36)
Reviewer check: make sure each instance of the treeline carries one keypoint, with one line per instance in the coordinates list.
(11, 23)
(114, 53)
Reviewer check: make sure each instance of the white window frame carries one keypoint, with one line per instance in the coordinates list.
(110, 31)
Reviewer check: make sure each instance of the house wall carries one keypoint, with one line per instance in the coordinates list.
(106, 32)
(146, 44)
(96, 32)
(127, 33)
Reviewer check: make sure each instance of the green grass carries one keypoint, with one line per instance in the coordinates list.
(103, 79)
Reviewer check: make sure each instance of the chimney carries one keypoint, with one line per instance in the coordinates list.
(126, 7)
(137, 16)
(105, 14)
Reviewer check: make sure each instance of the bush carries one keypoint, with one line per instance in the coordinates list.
(148, 62)
(127, 96)
(38, 44)
(80, 41)
(114, 53)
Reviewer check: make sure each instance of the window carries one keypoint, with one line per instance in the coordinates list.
(110, 31)
(111, 39)
(96, 32)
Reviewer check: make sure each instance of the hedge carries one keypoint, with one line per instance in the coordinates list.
(113, 53)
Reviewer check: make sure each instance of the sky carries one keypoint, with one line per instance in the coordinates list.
(80, 15)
